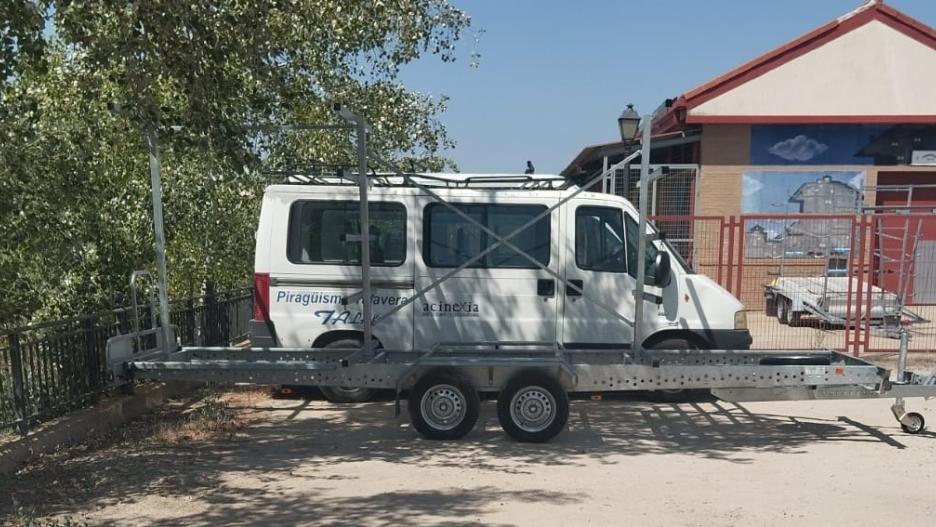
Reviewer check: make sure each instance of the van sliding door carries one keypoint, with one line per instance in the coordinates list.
(501, 297)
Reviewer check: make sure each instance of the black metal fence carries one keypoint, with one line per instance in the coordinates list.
(54, 367)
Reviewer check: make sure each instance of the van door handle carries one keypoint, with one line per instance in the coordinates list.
(546, 287)
(573, 292)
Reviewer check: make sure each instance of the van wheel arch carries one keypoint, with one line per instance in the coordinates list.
(334, 336)
(697, 340)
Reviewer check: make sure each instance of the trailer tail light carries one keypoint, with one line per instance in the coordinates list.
(261, 295)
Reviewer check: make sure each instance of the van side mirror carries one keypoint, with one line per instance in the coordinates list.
(663, 269)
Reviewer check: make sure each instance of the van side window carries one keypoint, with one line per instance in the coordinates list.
(449, 240)
(319, 233)
(652, 251)
(599, 239)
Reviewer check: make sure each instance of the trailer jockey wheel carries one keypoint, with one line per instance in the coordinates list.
(917, 423)
(533, 407)
(443, 405)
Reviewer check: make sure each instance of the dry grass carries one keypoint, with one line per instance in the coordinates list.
(22, 518)
(6, 436)
(216, 415)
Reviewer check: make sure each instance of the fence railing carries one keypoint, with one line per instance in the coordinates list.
(54, 367)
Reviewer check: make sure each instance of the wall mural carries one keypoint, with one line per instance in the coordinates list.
(839, 144)
(811, 192)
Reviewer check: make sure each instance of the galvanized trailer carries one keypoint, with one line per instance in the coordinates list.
(826, 299)
(532, 379)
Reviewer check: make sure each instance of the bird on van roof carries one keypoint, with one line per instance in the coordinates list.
(529, 169)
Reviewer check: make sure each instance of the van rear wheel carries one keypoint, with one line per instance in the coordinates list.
(340, 394)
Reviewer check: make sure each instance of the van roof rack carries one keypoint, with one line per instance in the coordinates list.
(339, 177)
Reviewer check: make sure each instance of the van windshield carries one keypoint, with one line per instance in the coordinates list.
(672, 250)
(651, 248)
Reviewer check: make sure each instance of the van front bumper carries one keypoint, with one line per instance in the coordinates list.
(729, 339)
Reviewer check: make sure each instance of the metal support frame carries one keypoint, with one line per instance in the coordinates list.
(361, 129)
(505, 240)
(134, 302)
(160, 234)
(641, 238)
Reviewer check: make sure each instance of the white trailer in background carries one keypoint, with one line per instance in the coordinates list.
(827, 299)
(531, 379)
(834, 300)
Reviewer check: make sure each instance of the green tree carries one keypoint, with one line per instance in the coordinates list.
(75, 208)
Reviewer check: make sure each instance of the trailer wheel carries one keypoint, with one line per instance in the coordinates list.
(340, 394)
(770, 306)
(783, 310)
(794, 318)
(443, 405)
(790, 317)
(917, 423)
(533, 407)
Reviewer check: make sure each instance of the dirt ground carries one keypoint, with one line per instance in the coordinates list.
(622, 461)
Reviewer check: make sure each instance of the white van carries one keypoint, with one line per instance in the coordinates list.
(308, 264)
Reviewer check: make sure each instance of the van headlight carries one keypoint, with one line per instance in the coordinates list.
(740, 319)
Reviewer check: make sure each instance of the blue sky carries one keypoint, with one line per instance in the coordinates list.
(554, 74)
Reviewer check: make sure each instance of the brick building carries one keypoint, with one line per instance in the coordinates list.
(839, 121)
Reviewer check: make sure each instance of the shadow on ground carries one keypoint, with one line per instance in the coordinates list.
(297, 439)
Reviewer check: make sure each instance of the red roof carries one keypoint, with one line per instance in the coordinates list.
(874, 10)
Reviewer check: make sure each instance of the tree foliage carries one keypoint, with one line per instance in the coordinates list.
(75, 208)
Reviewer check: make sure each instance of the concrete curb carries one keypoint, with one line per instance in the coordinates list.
(82, 424)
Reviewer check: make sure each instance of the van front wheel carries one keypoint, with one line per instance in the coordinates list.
(340, 394)
(674, 394)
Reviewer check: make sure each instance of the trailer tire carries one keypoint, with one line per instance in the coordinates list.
(783, 309)
(443, 405)
(795, 319)
(339, 394)
(790, 317)
(533, 407)
(770, 306)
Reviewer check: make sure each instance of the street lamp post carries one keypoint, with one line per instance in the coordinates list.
(627, 123)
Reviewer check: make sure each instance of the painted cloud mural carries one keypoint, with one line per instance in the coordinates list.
(800, 148)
